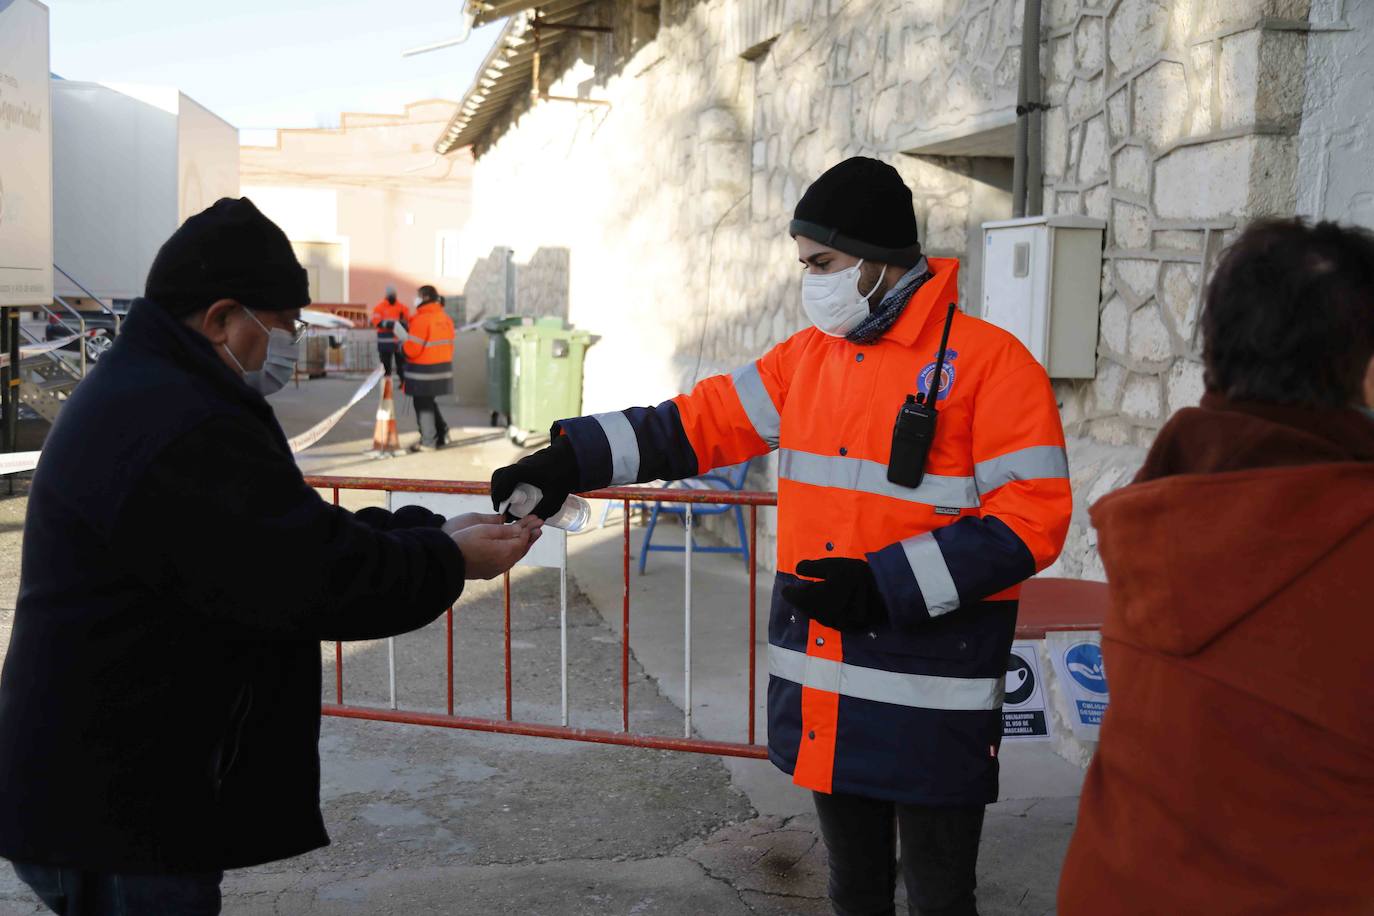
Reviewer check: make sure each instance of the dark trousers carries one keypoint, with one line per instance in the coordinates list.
(433, 429)
(73, 892)
(939, 855)
(388, 356)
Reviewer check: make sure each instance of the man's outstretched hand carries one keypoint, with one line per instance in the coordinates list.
(491, 549)
(553, 470)
(845, 598)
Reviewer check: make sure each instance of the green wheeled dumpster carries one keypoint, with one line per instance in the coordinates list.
(546, 375)
(498, 367)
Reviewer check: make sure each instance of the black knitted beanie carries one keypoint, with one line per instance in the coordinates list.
(861, 207)
(230, 251)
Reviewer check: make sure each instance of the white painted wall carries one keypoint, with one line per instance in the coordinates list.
(1336, 142)
(207, 158)
(304, 214)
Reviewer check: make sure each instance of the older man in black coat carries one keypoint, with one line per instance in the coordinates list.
(160, 701)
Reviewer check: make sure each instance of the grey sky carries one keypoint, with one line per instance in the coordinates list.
(270, 63)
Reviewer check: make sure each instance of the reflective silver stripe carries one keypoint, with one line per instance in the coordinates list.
(871, 477)
(436, 343)
(920, 691)
(624, 447)
(420, 372)
(932, 573)
(757, 404)
(1038, 462)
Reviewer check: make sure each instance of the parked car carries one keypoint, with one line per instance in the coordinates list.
(101, 328)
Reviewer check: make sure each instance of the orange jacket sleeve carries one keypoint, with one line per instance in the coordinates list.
(414, 343)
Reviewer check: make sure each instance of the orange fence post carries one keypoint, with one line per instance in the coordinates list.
(625, 634)
(753, 605)
(338, 648)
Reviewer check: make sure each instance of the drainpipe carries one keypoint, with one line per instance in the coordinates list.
(509, 305)
(1035, 152)
(1027, 181)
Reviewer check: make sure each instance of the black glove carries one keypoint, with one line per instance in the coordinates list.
(846, 598)
(553, 470)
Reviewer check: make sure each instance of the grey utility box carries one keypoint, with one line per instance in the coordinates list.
(1042, 281)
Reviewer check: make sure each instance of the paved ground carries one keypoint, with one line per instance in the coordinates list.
(436, 821)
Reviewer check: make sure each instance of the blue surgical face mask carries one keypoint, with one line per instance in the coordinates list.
(1368, 412)
(278, 366)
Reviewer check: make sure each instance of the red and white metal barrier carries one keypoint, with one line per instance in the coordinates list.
(563, 729)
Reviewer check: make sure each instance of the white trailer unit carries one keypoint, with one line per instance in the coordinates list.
(130, 163)
(25, 155)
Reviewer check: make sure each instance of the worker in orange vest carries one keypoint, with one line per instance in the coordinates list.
(902, 542)
(428, 347)
(386, 316)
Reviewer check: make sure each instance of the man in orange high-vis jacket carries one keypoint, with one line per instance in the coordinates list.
(895, 606)
(428, 348)
(387, 315)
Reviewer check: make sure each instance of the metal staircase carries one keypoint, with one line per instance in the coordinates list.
(47, 379)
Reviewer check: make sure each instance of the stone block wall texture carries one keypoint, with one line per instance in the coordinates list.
(537, 286)
(1174, 120)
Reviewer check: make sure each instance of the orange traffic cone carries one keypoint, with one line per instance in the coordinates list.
(385, 440)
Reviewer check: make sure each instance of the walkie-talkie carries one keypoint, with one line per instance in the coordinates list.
(914, 430)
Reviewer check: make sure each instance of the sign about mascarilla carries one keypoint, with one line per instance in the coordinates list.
(1077, 659)
(25, 155)
(1023, 708)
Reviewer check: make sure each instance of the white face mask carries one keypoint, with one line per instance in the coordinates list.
(277, 367)
(834, 302)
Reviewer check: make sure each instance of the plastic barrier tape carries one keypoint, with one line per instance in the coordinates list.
(317, 432)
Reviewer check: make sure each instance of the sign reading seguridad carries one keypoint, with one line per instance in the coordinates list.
(25, 155)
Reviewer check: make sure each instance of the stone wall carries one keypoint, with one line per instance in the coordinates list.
(536, 287)
(1175, 120)
(486, 290)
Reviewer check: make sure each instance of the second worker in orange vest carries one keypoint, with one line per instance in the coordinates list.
(428, 348)
(895, 603)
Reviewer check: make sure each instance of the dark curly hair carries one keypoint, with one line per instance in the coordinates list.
(1290, 314)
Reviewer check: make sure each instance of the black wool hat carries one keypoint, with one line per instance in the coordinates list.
(861, 207)
(230, 251)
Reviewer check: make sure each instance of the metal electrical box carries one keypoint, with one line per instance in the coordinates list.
(1042, 281)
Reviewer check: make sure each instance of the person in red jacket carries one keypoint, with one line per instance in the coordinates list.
(1236, 768)
(900, 557)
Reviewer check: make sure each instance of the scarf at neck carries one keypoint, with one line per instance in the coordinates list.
(880, 321)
